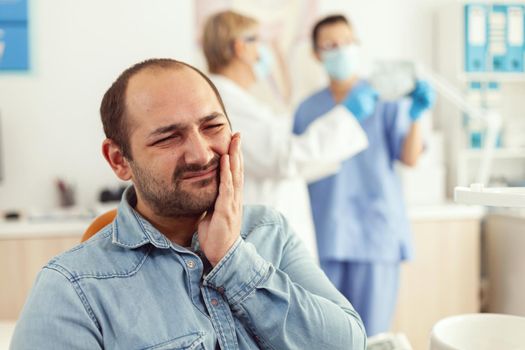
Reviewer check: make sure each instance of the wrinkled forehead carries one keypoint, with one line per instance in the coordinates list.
(173, 92)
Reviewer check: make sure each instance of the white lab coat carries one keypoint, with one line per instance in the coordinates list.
(278, 164)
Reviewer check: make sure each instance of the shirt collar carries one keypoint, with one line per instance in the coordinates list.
(131, 230)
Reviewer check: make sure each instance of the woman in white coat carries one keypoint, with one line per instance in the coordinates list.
(277, 163)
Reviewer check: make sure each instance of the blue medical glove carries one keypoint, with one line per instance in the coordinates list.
(361, 101)
(423, 98)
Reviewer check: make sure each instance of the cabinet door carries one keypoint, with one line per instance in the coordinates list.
(20, 262)
(442, 280)
(504, 260)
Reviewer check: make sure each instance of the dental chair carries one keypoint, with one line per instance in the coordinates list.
(97, 224)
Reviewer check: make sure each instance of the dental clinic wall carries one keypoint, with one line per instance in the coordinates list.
(51, 126)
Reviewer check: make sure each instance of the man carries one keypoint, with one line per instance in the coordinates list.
(361, 224)
(183, 265)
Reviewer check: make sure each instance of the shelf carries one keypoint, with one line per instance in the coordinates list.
(511, 197)
(498, 153)
(499, 77)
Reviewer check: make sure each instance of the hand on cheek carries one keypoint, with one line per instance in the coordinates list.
(219, 229)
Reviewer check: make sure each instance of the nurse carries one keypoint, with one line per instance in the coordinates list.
(277, 163)
(360, 219)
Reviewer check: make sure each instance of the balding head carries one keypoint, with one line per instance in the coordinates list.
(115, 109)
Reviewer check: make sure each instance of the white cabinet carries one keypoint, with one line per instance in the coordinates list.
(24, 249)
(505, 263)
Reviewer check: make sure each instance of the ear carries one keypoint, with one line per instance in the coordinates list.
(116, 159)
(239, 48)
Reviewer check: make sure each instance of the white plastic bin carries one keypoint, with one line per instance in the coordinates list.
(479, 332)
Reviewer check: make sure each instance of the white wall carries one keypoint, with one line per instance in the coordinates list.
(391, 29)
(51, 125)
(50, 120)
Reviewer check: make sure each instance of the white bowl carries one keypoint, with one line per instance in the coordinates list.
(479, 332)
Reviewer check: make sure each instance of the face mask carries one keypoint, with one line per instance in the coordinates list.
(263, 66)
(342, 62)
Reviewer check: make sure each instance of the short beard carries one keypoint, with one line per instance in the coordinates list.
(169, 200)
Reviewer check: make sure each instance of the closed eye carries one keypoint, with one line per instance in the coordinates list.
(165, 139)
(213, 126)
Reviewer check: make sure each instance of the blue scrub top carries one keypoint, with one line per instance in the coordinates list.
(359, 213)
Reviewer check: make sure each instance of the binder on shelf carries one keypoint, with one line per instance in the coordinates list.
(498, 39)
(476, 37)
(515, 29)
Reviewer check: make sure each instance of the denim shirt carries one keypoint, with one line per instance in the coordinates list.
(129, 287)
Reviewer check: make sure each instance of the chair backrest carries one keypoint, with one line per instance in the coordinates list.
(98, 224)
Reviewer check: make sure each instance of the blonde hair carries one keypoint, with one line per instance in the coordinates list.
(220, 32)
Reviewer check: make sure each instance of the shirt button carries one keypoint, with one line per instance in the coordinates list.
(214, 302)
(190, 264)
(220, 290)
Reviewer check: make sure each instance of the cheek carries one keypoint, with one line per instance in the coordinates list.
(223, 143)
(161, 164)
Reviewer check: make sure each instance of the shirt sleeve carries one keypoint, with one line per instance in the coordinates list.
(300, 120)
(55, 317)
(290, 306)
(334, 137)
(397, 123)
(273, 151)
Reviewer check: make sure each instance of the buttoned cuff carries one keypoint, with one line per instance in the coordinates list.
(238, 273)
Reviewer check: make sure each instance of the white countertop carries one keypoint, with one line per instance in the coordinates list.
(41, 229)
(58, 222)
(25, 229)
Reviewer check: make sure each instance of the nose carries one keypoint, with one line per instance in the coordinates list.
(198, 149)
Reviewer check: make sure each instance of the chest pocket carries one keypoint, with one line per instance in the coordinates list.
(193, 341)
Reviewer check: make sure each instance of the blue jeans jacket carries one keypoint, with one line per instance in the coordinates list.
(129, 287)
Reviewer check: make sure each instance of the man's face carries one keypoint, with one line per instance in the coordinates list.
(332, 36)
(178, 131)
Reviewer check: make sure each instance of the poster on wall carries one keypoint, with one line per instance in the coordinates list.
(285, 28)
(14, 36)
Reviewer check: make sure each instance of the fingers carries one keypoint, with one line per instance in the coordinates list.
(231, 176)
(236, 160)
(225, 186)
(234, 150)
(242, 166)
